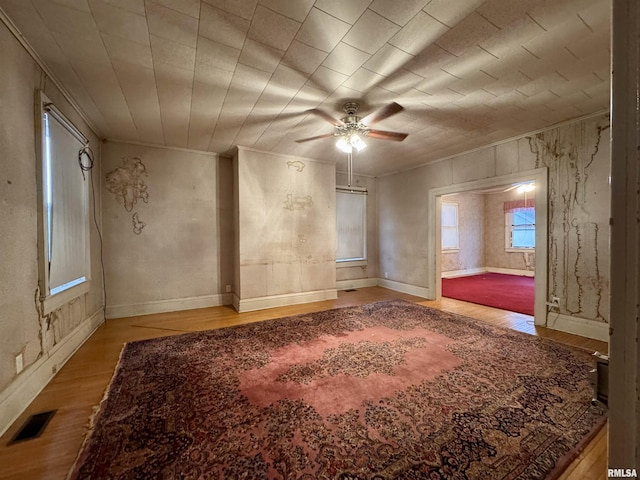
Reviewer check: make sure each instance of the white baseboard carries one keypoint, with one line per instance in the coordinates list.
(26, 387)
(512, 271)
(259, 303)
(578, 326)
(405, 288)
(356, 283)
(463, 273)
(172, 305)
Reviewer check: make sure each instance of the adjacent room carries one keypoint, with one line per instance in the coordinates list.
(317, 239)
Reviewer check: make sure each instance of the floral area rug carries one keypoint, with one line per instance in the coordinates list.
(380, 391)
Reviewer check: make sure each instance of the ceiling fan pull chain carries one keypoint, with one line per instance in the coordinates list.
(349, 169)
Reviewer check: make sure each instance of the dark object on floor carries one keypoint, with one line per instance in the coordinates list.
(33, 427)
(509, 292)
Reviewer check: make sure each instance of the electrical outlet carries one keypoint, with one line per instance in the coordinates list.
(227, 288)
(386, 275)
(19, 363)
(555, 301)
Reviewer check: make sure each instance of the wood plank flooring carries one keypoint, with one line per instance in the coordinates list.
(79, 386)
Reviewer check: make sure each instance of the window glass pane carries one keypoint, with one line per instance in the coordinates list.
(351, 226)
(523, 229)
(524, 237)
(524, 216)
(449, 225)
(66, 208)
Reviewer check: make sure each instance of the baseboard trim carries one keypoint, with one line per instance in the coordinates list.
(26, 387)
(512, 271)
(356, 283)
(260, 303)
(405, 288)
(463, 273)
(172, 305)
(578, 326)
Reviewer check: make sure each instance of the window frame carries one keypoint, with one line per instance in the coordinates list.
(455, 227)
(508, 233)
(354, 261)
(53, 301)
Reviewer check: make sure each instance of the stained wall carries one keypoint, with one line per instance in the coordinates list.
(286, 225)
(23, 327)
(168, 229)
(578, 160)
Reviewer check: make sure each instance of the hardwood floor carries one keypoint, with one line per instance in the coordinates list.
(79, 386)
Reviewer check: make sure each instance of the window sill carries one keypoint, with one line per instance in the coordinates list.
(520, 250)
(351, 263)
(53, 302)
(450, 250)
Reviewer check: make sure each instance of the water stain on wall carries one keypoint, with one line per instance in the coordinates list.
(298, 202)
(578, 233)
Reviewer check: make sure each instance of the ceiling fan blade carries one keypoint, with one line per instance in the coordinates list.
(382, 113)
(384, 135)
(325, 116)
(326, 135)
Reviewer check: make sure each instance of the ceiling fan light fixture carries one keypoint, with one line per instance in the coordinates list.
(356, 142)
(344, 145)
(527, 187)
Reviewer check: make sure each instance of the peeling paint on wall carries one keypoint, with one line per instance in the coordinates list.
(138, 225)
(126, 183)
(578, 231)
(297, 164)
(298, 202)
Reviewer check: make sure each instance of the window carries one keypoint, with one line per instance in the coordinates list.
(449, 223)
(351, 225)
(64, 236)
(520, 228)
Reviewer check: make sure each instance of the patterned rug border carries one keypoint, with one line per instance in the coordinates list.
(98, 410)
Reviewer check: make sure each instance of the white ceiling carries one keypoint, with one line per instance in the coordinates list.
(212, 74)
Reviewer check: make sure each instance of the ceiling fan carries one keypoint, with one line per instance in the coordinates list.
(351, 128)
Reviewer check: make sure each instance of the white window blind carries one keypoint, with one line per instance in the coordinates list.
(449, 223)
(351, 211)
(65, 198)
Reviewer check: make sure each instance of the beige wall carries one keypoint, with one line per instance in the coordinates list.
(577, 157)
(471, 227)
(22, 328)
(168, 230)
(286, 225)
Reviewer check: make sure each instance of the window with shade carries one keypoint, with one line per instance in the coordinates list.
(449, 225)
(351, 226)
(64, 236)
(520, 225)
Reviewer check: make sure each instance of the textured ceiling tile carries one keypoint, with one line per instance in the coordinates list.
(120, 49)
(322, 31)
(67, 20)
(387, 60)
(507, 84)
(174, 93)
(470, 63)
(88, 52)
(429, 60)
(512, 36)
(370, 32)
(398, 11)
(401, 81)
(598, 60)
(81, 5)
(223, 27)
(297, 10)
(345, 59)
(139, 88)
(502, 12)
(303, 57)
(188, 7)
(472, 82)
(346, 11)
(326, 79)
(451, 12)
(287, 81)
(597, 16)
(120, 23)
(240, 8)
(418, 34)
(172, 25)
(217, 54)
(548, 63)
(272, 29)
(173, 53)
(363, 80)
(468, 33)
(260, 56)
(135, 6)
(585, 46)
(503, 66)
(552, 13)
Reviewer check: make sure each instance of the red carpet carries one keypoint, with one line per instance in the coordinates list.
(508, 292)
